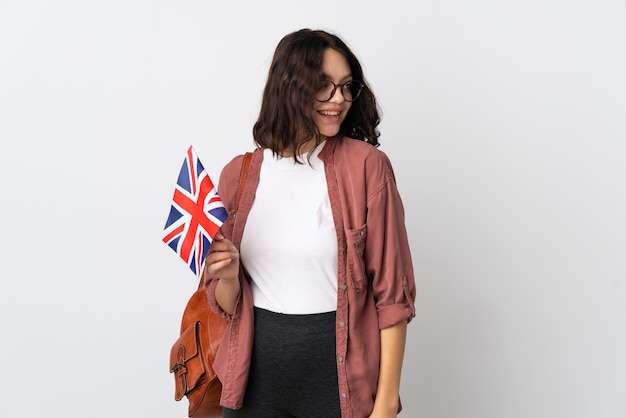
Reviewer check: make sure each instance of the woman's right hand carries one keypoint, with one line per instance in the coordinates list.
(222, 261)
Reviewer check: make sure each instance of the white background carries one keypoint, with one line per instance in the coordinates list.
(506, 125)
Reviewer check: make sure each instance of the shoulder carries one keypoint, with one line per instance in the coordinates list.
(230, 175)
(229, 178)
(233, 166)
(353, 153)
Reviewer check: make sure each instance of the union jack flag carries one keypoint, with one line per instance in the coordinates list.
(196, 214)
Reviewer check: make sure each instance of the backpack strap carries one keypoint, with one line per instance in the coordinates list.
(243, 176)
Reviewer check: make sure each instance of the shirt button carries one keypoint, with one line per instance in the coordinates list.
(344, 287)
(340, 359)
(342, 324)
(362, 233)
(344, 396)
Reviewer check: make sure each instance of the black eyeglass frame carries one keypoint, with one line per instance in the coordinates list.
(334, 90)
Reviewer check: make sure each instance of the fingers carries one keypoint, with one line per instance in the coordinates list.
(222, 259)
(214, 257)
(222, 244)
(214, 268)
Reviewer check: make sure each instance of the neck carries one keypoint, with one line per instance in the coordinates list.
(304, 149)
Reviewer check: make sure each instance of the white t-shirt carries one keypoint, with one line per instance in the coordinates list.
(289, 244)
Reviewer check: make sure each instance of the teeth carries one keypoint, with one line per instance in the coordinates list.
(329, 112)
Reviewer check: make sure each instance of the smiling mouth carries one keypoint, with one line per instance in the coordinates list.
(330, 112)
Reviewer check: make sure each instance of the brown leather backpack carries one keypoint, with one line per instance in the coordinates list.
(192, 355)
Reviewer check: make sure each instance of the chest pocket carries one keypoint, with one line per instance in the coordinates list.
(355, 243)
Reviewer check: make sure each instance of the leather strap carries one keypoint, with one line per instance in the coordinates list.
(243, 176)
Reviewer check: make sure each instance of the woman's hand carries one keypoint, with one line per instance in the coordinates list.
(380, 412)
(222, 261)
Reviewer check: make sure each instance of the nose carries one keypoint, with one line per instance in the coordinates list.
(337, 96)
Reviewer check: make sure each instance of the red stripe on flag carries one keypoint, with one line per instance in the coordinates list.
(172, 234)
(198, 217)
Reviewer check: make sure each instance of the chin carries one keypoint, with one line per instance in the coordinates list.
(329, 133)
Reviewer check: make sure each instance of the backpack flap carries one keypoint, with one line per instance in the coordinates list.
(186, 361)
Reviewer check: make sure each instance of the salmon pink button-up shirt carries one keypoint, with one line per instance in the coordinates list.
(376, 287)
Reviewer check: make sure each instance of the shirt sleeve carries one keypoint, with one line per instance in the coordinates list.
(387, 255)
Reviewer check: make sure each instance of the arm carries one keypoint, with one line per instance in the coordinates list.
(221, 274)
(223, 262)
(392, 343)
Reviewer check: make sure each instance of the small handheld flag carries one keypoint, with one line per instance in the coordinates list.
(196, 214)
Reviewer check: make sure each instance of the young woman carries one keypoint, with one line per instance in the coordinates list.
(314, 270)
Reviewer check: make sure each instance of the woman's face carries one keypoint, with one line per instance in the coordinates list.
(329, 115)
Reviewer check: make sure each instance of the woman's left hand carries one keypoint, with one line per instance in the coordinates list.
(386, 412)
(383, 415)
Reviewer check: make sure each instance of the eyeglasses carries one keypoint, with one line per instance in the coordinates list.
(349, 90)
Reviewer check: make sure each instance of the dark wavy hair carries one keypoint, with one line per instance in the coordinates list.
(286, 121)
